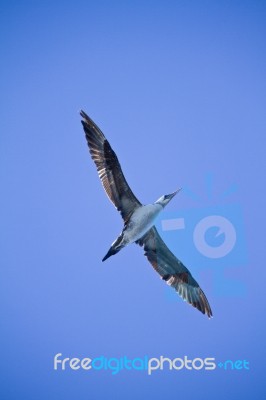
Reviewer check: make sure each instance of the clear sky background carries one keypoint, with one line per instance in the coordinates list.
(179, 88)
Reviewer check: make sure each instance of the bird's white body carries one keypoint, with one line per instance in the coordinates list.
(140, 222)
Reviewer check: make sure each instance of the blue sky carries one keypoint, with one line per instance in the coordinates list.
(178, 88)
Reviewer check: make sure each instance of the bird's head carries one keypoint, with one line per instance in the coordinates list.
(164, 200)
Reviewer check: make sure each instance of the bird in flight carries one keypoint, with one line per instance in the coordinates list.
(139, 220)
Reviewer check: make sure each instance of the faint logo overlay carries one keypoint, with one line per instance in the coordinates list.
(209, 239)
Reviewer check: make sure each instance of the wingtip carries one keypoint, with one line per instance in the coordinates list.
(208, 312)
(83, 114)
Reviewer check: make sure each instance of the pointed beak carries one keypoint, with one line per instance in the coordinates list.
(170, 196)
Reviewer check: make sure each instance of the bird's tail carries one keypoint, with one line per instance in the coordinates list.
(116, 247)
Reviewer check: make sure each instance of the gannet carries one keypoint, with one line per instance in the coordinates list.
(139, 220)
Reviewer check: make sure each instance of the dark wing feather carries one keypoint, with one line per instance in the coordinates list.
(109, 169)
(173, 271)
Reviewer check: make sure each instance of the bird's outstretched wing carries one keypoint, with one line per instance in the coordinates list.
(109, 169)
(173, 271)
